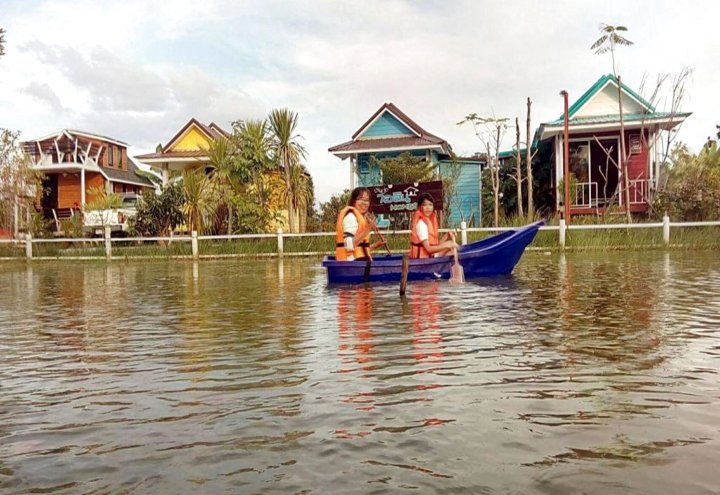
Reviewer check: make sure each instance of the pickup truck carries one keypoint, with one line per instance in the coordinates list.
(115, 218)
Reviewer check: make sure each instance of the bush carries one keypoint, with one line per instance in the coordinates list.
(159, 214)
(692, 192)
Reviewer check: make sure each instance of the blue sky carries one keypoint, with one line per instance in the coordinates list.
(138, 70)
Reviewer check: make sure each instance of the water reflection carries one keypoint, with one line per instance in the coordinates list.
(254, 376)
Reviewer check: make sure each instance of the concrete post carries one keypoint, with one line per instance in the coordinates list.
(28, 246)
(562, 230)
(108, 244)
(195, 249)
(666, 229)
(463, 233)
(280, 247)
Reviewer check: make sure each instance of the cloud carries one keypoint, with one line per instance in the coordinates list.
(44, 93)
(134, 102)
(138, 71)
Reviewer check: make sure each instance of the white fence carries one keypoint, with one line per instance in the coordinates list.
(279, 237)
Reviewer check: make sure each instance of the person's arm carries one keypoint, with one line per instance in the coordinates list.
(422, 232)
(443, 246)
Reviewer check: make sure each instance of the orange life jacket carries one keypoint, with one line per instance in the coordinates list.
(362, 248)
(417, 250)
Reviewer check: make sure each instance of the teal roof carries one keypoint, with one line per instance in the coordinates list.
(511, 153)
(608, 119)
(599, 85)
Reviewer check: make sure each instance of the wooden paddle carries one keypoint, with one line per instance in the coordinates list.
(457, 275)
(404, 274)
(377, 231)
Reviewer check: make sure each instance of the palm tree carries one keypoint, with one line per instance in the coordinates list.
(199, 205)
(300, 194)
(253, 141)
(224, 174)
(608, 39)
(286, 151)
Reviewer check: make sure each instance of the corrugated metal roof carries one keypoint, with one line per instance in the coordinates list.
(608, 119)
(390, 143)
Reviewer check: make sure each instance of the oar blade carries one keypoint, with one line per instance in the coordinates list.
(457, 275)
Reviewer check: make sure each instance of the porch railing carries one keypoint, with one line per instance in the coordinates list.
(638, 190)
(586, 194)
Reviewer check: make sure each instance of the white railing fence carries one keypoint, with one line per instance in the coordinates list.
(586, 194)
(106, 243)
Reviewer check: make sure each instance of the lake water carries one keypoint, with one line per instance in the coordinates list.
(584, 373)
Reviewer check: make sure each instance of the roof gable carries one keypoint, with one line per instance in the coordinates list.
(193, 136)
(388, 121)
(386, 125)
(601, 99)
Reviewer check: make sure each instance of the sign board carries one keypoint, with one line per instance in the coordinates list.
(402, 198)
(635, 144)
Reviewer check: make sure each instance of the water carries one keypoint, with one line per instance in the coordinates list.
(590, 373)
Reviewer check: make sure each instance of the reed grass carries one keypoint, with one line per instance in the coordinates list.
(705, 237)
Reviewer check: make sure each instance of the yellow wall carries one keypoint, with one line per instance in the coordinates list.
(193, 140)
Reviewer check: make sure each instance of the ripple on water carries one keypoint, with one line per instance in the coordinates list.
(593, 370)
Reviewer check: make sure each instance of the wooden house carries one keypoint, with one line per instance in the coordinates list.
(388, 133)
(594, 143)
(75, 164)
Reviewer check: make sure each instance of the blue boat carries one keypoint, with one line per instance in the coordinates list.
(496, 255)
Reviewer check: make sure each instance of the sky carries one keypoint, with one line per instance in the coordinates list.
(138, 70)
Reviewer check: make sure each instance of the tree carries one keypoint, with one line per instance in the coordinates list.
(224, 175)
(286, 150)
(404, 168)
(253, 143)
(490, 131)
(19, 182)
(692, 192)
(606, 42)
(199, 201)
(330, 210)
(609, 37)
(518, 169)
(528, 162)
(659, 96)
(300, 195)
(160, 214)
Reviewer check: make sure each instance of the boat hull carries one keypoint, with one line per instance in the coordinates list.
(496, 255)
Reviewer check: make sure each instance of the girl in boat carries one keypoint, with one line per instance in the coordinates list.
(424, 232)
(353, 227)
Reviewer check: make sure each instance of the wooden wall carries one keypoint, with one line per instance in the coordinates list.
(69, 188)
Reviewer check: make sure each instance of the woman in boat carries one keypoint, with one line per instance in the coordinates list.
(353, 227)
(424, 232)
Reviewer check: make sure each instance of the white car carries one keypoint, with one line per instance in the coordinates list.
(116, 218)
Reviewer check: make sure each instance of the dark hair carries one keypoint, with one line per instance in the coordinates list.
(356, 193)
(424, 196)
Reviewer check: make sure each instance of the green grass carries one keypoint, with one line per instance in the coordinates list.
(576, 240)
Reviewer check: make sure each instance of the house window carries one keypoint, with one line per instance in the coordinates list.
(110, 156)
(363, 165)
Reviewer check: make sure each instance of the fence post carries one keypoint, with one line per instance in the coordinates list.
(280, 247)
(108, 245)
(562, 230)
(28, 246)
(666, 229)
(463, 232)
(195, 248)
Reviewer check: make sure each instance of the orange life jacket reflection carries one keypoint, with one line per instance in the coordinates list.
(362, 248)
(417, 250)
